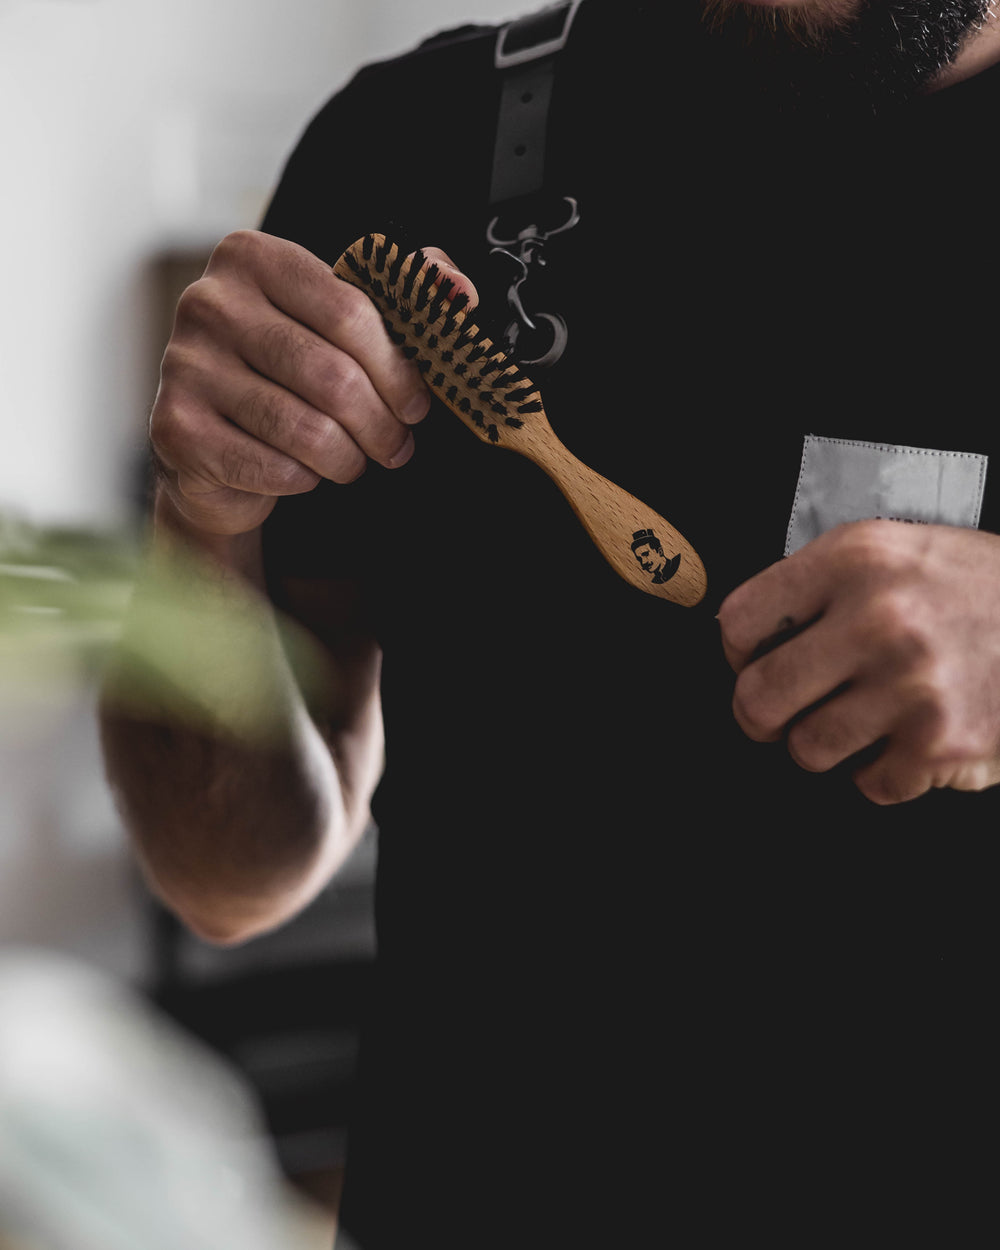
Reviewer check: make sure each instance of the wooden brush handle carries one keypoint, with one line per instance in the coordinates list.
(488, 392)
(637, 542)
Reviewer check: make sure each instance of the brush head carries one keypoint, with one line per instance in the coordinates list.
(490, 394)
(460, 363)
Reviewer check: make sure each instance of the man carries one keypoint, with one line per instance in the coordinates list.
(598, 1020)
(648, 550)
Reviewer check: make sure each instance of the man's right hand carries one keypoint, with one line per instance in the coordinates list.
(277, 374)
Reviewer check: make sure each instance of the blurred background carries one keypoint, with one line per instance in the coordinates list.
(135, 134)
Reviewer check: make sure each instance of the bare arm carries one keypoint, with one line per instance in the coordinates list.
(277, 375)
(236, 829)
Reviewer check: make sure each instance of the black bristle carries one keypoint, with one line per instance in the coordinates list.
(416, 264)
(426, 287)
(437, 303)
(482, 382)
(511, 379)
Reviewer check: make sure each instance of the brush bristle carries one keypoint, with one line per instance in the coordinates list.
(459, 361)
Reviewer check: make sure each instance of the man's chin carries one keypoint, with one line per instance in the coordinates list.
(809, 22)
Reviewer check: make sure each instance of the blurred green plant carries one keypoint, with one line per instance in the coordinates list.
(76, 605)
(63, 596)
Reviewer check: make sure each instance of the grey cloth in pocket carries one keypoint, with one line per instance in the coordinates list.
(846, 480)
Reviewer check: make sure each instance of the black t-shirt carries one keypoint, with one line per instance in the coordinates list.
(638, 975)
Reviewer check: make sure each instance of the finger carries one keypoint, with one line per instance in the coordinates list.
(772, 605)
(796, 674)
(460, 283)
(896, 776)
(227, 458)
(308, 292)
(851, 720)
(924, 753)
(332, 443)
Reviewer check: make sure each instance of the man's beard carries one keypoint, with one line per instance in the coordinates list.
(840, 50)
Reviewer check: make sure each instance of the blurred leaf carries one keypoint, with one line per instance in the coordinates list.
(65, 598)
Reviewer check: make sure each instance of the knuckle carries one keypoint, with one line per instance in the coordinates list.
(318, 440)
(177, 368)
(980, 775)
(237, 248)
(753, 705)
(951, 737)
(282, 342)
(310, 435)
(200, 306)
(252, 469)
(878, 547)
(880, 788)
(383, 439)
(356, 313)
(733, 622)
(259, 412)
(896, 623)
(169, 427)
(810, 749)
(888, 622)
(243, 468)
(897, 779)
(349, 464)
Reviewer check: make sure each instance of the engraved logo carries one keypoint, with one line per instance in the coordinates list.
(648, 550)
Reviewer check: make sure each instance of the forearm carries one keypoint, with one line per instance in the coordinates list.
(239, 807)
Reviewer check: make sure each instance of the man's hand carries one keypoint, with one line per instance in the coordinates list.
(878, 632)
(277, 374)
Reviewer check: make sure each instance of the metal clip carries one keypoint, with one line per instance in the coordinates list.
(529, 244)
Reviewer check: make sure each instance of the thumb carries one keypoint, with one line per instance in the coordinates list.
(450, 272)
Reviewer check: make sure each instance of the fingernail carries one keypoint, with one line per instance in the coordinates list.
(404, 453)
(416, 408)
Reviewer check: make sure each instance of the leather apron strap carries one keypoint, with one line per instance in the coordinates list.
(526, 54)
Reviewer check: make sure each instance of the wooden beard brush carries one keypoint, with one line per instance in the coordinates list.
(486, 390)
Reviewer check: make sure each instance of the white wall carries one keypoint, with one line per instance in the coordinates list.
(127, 126)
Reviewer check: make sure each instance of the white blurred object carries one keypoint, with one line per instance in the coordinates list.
(119, 1132)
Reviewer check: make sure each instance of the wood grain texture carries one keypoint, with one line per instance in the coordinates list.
(487, 391)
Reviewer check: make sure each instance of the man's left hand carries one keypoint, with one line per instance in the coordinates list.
(878, 634)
